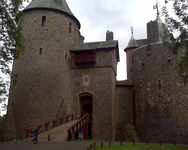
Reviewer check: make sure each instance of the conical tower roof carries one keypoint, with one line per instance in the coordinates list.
(58, 5)
(132, 42)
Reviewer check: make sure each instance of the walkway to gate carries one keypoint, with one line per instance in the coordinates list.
(58, 134)
(64, 132)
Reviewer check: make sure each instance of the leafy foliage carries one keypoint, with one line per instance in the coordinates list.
(182, 62)
(3, 95)
(10, 39)
(178, 23)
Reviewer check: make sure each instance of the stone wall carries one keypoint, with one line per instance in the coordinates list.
(129, 56)
(124, 97)
(101, 85)
(40, 89)
(161, 95)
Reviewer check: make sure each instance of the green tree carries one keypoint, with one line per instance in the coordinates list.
(10, 41)
(177, 20)
(3, 95)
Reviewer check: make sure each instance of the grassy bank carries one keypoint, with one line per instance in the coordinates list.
(142, 147)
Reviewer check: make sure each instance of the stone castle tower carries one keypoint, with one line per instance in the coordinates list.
(159, 90)
(41, 74)
(58, 74)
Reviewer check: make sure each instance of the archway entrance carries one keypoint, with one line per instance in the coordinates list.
(86, 106)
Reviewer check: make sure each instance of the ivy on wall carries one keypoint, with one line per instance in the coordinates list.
(182, 62)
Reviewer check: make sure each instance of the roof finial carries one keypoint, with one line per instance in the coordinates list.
(156, 6)
(132, 31)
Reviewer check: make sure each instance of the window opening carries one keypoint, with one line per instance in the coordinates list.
(43, 21)
(70, 27)
(169, 59)
(159, 84)
(40, 51)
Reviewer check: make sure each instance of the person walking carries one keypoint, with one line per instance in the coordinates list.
(35, 136)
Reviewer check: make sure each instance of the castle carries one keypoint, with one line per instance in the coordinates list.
(57, 73)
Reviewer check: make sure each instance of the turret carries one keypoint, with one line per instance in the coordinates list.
(132, 45)
(42, 72)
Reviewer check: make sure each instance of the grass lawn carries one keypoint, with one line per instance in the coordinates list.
(143, 147)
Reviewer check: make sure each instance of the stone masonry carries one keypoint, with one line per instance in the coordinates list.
(57, 74)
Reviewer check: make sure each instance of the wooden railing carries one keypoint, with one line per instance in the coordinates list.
(51, 124)
(79, 127)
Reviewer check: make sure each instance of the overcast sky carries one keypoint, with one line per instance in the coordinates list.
(98, 16)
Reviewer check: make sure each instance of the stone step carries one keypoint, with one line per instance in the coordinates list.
(80, 145)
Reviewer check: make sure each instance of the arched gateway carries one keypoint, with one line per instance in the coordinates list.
(86, 106)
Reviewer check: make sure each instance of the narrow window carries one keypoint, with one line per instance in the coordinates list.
(40, 51)
(169, 59)
(43, 21)
(185, 79)
(143, 65)
(159, 84)
(70, 27)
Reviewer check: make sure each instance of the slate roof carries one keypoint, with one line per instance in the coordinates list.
(104, 45)
(58, 5)
(142, 42)
(96, 45)
(132, 44)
